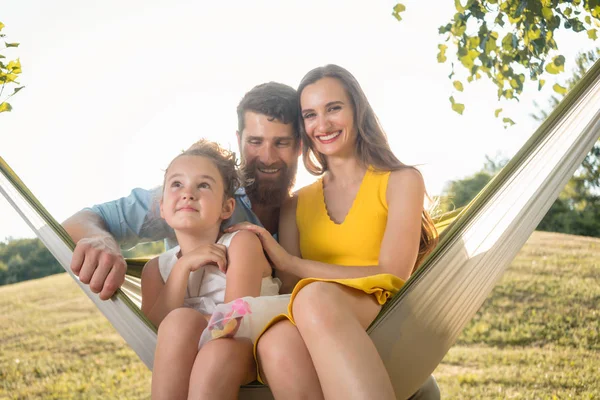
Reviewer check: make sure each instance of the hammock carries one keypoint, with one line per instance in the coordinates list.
(419, 325)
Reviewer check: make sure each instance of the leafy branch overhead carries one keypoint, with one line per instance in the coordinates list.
(512, 41)
(9, 72)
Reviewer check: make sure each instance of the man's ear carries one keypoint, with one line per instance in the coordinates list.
(228, 207)
(239, 139)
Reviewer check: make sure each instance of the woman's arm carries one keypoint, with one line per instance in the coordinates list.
(246, 267)
(289, 239)
(399, 248)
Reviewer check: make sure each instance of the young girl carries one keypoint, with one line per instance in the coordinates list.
(182, 287)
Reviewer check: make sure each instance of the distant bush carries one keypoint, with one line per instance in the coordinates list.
(25, 259)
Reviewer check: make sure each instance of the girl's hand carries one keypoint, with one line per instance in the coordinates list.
(213, 253)
(280, 258)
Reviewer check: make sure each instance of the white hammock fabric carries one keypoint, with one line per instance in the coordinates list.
(417, 327)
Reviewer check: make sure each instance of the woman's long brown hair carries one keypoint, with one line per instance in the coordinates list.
(372, 146)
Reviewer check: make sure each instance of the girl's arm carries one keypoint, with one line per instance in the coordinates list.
(158, 298)
(246, 267)
(399, 248)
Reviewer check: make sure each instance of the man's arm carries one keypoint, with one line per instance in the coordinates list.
(101, 231)
(97, 258)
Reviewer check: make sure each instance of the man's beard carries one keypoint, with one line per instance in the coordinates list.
(264, 191)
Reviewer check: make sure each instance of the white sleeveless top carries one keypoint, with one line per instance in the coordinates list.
(206, 286)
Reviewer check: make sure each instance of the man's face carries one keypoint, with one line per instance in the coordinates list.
(269, 157)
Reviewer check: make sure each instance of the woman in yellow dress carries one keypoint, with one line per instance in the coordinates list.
(352, 239)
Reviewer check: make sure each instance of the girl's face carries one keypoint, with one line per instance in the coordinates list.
(329, 118)
(193, 194)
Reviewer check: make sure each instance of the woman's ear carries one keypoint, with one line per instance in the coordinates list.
(161, 209)
(228, 207)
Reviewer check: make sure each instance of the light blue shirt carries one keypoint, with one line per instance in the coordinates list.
(136, 218)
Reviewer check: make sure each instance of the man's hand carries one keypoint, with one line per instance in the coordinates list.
(214, 253)
(97, 261)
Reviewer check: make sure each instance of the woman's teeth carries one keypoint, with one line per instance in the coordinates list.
(330, 136)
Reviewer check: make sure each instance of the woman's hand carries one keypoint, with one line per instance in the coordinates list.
(281, 259)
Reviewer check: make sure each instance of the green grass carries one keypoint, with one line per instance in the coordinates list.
(536, 337)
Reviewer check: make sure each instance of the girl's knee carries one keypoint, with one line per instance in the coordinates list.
(182, 322)
(220, 357)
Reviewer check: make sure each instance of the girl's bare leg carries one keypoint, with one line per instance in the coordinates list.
(221, 367)
(286, 365)
(176, 349)
(344, 356)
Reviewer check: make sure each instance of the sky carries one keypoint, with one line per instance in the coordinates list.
(116, 89)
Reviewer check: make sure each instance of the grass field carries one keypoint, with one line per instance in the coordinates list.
(536, 337)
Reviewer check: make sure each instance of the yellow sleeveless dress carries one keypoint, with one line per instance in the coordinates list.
(354, 242)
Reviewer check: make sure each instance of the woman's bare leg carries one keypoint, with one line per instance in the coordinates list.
(344, 356)
(176, 349)
(286, 365)
(221, 367)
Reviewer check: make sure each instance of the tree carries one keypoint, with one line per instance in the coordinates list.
(459, 193)
(9, 72)
(25, 259)
(577, 209)
(511, 41)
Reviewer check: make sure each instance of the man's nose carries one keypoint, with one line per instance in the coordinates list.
(268, 155)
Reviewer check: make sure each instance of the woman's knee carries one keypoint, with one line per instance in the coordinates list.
(281, 349)
(317, 304)
(323, 306)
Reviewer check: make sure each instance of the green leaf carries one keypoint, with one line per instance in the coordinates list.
(459, 6)
(441, 57)
(457, 107)
(507, 42)
(1, 26)
(508, 122)
(1, 56)
(541, 84)
(473, 42)
(556, 66)
(559, 89)
(11, 44)
(14, 66)
(458, 85)
(17, 90)
(497, 112)
(398, 8)
(468, 60)
(592, 34)
(5, 107)
(547, 13)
